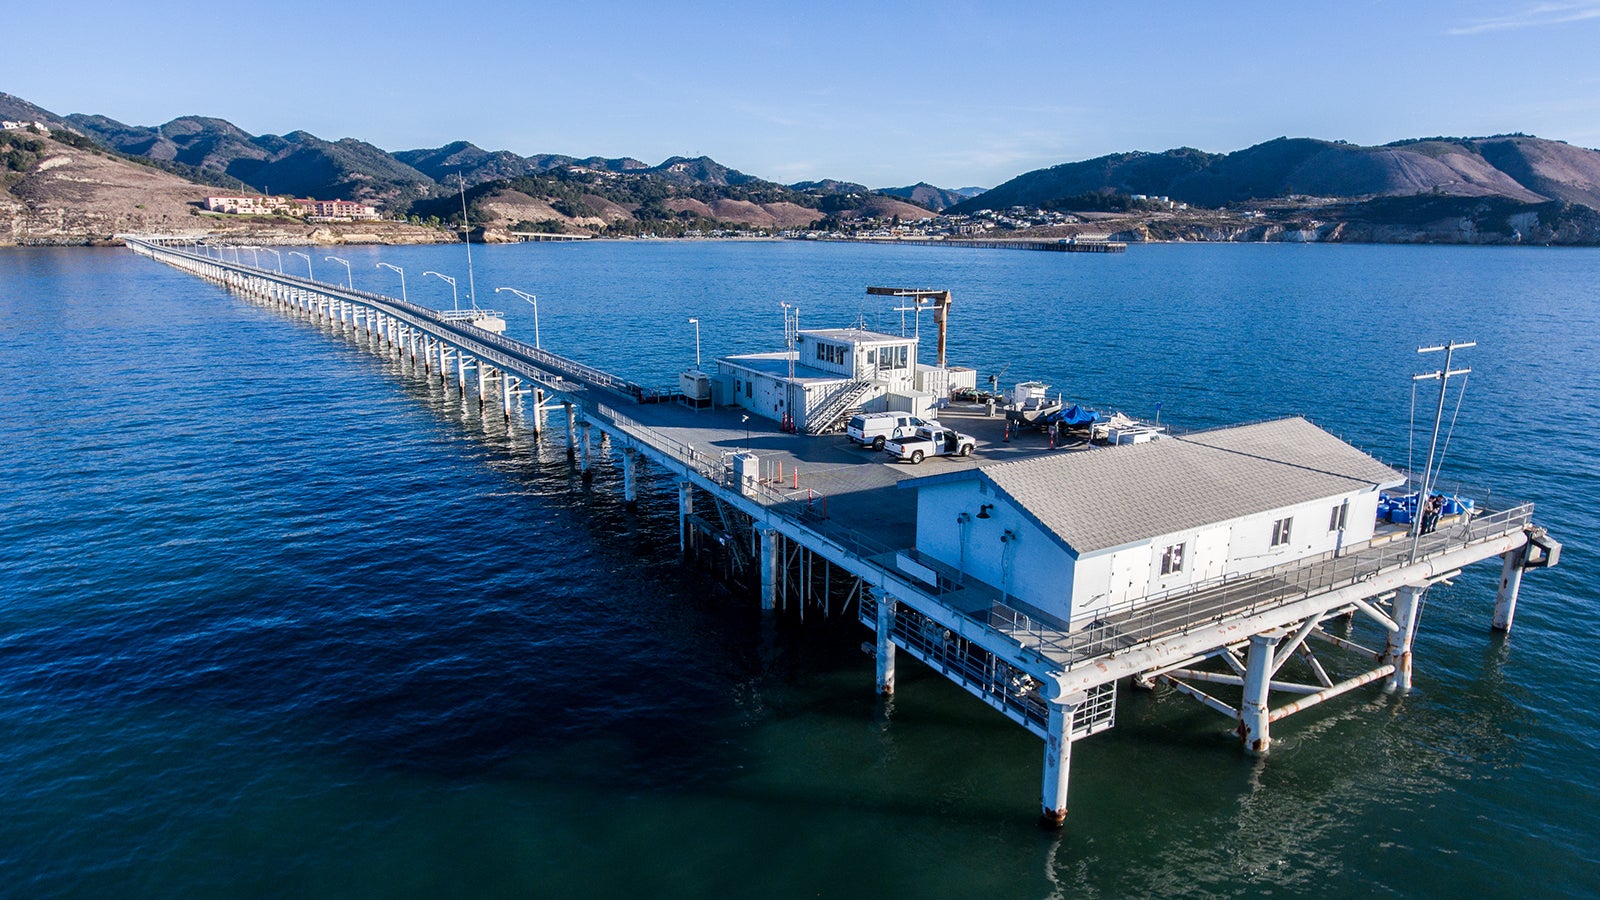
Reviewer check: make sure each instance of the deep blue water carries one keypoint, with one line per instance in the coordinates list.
(281, 619)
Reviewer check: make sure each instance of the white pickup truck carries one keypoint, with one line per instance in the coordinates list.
(931, 441)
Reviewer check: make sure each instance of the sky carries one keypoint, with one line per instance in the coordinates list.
(885, 94)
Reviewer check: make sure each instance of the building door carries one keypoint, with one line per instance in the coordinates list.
(1130, 575)
(1211, 553)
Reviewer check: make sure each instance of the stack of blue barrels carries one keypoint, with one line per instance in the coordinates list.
(1401, 509)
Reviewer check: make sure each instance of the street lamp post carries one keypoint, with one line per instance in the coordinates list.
(348, 281)
(696, 324)
(531, 299)
(455, 298)
(255, 256)
(279, 257)
(402, 277)
(308, 263)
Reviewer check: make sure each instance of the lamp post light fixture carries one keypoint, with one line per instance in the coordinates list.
(696, 324)
(255, 256)
(279, 257)
(308, 263)
(531, 299)
(348, 281)
(455, 298)
(402, 278)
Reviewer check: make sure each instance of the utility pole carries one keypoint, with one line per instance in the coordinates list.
(1429, 476)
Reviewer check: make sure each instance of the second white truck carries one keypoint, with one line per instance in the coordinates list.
(931, 441)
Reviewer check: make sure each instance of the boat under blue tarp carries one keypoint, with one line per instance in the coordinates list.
(1073, 415)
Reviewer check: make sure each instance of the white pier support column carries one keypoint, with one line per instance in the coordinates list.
(1407, 609)
(572, 431)
(461, 370)
(685, 510)
(1505, 599)
(507, 388)
(768, 557)
(630, 483)
(1254, 729)
(583, 452)
(885, 652)
(537, 419)
(483, 381)
(1058, 759)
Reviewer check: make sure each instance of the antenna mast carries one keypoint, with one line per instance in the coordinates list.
(466, 234)
(1429, 476)
(791, 333)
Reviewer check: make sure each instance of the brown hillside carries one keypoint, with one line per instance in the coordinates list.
(76, 196)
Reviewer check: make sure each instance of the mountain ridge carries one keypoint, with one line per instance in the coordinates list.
(1517, 167)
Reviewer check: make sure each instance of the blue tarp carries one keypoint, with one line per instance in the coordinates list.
(1073, 415)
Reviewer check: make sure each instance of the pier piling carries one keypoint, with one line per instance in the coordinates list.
(1505, 599)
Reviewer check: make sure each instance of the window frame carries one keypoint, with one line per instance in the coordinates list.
(1172, 559)
(1282, 529)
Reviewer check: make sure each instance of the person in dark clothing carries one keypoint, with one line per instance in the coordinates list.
(1430, 513)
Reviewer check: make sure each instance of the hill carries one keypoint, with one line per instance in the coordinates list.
(1513, 167)
(63, 189)
(478, 166)
(926, 196)
(296, 163)
(613, 195)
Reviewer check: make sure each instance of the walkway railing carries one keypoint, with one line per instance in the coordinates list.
(1134, 622)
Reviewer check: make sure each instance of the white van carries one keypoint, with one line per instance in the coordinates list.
(873, 429)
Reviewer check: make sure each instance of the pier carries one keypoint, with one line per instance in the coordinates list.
(1050, 245)
(817, 529)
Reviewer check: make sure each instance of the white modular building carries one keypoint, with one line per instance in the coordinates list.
(837, 372)
(1072, 535)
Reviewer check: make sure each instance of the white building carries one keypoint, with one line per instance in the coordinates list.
(1071, 534)
(836, 371)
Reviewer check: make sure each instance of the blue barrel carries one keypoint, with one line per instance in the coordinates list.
(1400, 516)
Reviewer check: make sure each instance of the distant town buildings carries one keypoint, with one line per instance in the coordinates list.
(8, 125)
(291, 206)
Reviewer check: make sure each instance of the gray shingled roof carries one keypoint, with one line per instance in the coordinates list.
(1112, 496)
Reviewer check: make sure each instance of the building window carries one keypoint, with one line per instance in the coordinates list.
(1280, 531)
(1340, 513)
(749, 388)
(1172, 560)
(820, 349)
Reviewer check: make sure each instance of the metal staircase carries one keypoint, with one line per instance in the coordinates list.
(838, 406)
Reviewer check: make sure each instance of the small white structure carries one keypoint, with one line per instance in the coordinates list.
(1073, 535)
(837, 372)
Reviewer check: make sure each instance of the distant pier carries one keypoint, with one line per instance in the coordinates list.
(1049, 245)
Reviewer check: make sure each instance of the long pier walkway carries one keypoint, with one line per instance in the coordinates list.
(816, 521)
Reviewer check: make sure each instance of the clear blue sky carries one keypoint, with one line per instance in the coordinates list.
(883, 93)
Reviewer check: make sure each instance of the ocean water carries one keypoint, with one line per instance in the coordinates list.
(280, 618)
